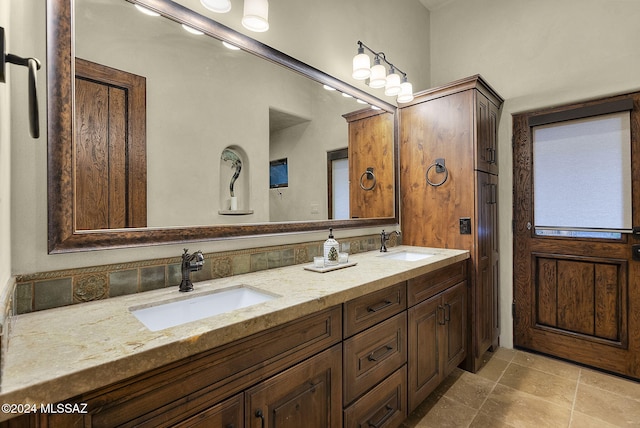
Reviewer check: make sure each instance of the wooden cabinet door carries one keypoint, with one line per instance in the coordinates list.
(425, 340)
(228, 414)
(485, 278)
(486, 135)
(455, 336)
(306, 395)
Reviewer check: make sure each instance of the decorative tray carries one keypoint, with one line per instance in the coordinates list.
(330, 268)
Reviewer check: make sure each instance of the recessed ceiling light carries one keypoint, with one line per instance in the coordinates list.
(192, 30)
(146, 11)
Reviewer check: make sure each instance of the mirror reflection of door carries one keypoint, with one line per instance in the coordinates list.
(371, 167)
(338, 184)
(110, 148)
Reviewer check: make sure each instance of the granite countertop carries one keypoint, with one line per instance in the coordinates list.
(56, 354)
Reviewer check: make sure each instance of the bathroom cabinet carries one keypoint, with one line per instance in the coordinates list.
(374, 358)
(280, 362)
(449, 167)
(437, 340)
(355, 364)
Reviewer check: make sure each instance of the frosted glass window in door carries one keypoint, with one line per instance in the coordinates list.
(582, 176)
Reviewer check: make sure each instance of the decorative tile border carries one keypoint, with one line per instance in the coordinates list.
(45, 290)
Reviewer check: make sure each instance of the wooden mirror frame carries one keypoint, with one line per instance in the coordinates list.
(62, 236)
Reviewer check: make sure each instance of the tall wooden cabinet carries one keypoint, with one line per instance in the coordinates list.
(448, 187)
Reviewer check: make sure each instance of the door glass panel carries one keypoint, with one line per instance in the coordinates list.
(582, 177)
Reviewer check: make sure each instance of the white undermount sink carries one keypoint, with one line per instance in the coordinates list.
(192, 308)
(409, 256)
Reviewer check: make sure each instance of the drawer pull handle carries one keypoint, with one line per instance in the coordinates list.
(444, 317)
(447, 313)
(381, 306)
(260, 415)
(385, 417)
(385, 350)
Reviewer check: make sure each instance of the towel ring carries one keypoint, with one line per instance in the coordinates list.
(439, 164)
(370, 175)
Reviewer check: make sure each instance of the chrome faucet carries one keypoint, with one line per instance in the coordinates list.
(190, 263)
(384, 238)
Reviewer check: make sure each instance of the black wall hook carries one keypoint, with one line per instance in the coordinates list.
(33, 65)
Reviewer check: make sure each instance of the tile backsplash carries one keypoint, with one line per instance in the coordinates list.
(46, 290)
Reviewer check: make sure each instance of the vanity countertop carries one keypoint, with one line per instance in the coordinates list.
(56, 354)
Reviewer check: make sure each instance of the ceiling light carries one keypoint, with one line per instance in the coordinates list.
(230, 46)
(146, 11)
(256, 15)
(192, 30)
(328, 88)
(218, 6)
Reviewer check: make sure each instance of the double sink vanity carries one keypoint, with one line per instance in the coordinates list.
(360, 346)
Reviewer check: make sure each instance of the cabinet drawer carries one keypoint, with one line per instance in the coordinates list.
(383, 406)
(425, 286)
(372, 355)
(370, 309)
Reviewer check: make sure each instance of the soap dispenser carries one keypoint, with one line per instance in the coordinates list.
(331, 249)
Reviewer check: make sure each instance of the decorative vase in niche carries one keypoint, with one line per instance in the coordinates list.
(229, 155)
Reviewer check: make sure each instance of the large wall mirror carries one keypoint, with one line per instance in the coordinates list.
(159, 135)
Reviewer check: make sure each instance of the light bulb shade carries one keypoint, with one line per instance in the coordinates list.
(378, 77)
(393, 84)
(361, 66)
(406, 92)
(218, 6)
(256, 15)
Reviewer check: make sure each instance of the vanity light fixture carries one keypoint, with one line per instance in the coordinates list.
(256, 12)
(217, 6)
(256, 15)
(394, 83)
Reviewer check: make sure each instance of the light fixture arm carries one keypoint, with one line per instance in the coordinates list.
(381, 55)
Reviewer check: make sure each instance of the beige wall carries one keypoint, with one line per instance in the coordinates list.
(324, 38)
(535, 54)
(5, 165)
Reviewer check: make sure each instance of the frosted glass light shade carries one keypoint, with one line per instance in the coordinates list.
(256, 15)
(393, 84)
(361, 66)
(218, 6)
(378, 77)
(406, 92)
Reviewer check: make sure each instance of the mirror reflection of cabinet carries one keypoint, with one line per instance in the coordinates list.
(371, 164)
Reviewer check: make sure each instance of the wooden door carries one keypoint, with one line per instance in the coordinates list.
(109, 148)
(371, 148)
(575, 298)
(307, 395)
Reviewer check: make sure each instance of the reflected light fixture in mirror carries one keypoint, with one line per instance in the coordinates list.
(218, 6)
(256, 12)
(392, 83)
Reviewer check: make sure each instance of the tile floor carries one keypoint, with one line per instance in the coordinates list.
(522, 390)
